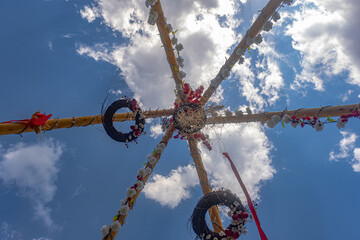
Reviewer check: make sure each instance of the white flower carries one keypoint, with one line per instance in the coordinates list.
(152, 160)
(150, 2)
(319, 126)
(288, 2)
(225, 73)
(341, 122)
(240, 227)
(228, 113)
(267, 26)
(208, 236)
(239, 113)
(202, 235)
(105, 230)
(174, 40)
(130, 192)
(142, 172)
(241, 60)
(275, 17)
(249, 40)
(124, 210)
(286, 119)
(149, 156)
(139, 185)
(160, 148)
(153, 15)
(181, 75)
(248, 110)
(245, 232)
(123, 202)
(148, 170)
(179, 47)
(275, 119)
(215, 238)
(115, 226)
(169, 27)
(258, 39)
(221, 234)
(180, 61)
(294, 124)
(240, 52)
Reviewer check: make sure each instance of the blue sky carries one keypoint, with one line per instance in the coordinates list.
(64, 57)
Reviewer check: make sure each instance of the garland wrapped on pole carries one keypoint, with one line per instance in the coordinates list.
(7, 128)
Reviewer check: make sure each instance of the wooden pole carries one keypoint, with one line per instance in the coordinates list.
(204, 182)
(255, 28)
(122, 218)
(16, 128)
(169, 51)
(332, 111)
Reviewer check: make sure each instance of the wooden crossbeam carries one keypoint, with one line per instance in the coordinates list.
(57, 123)
(122, 218)
(332, 111)
(255, 28)
(204, 182)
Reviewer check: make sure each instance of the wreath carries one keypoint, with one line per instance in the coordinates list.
(237, 212)
(136, 130)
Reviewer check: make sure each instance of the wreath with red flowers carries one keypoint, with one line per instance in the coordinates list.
(136, 129)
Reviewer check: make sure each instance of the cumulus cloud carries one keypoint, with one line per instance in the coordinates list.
(323, 32)
(346, 145)
(32, 170)
(249, 148)
(172, 189)
(155, 130)
(346, 149)
(7, 233)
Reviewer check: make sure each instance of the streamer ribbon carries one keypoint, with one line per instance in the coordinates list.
(251, 206)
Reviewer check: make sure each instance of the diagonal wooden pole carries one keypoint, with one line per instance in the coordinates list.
(57, 123)
(204, 182)
(167, 136)
(169, 51)
(255, 28)
(332, 111)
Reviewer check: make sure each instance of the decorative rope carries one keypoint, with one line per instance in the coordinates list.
(251, 206)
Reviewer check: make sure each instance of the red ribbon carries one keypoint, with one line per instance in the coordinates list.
(251, 206)
(37, 119)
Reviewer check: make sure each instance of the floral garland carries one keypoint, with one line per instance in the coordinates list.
(312, 121)
(239, 216)
(136, 130)
(126, 204)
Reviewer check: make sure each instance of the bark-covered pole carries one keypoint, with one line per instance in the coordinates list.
(57, 123)
(255, 28)
(332, 111)
(204, 182)
(167, 136)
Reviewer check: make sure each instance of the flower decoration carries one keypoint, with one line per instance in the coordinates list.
(180, 61)
(153, 15)
(174, 40)
(124, 210)
(241, 60)
(258, 39)
(152, 160)
(267, 26)
(181, 75)
(150, 2)
(179, 47)
(275, 17)
(130, 193)
(148, 170)
(286, 119)
(115, 226)
(169, 27)
(139, 185)
(319, 125)
(142, 172)
(275, 119)
(341, 122)
(104, 230)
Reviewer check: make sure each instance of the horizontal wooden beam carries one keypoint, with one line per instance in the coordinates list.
(332, 111)
(57, 123)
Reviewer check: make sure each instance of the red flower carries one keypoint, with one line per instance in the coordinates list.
(244, 215)
(236, 235)
(235, 217)
(228, 232)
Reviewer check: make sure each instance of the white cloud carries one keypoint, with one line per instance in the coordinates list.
(172, 189)
(347, 95)
(7, 233)
(356, 160)
(89, 13)
(323, 32)
(346, 145)
(33, 169)
(155, 130)
(247, 145)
